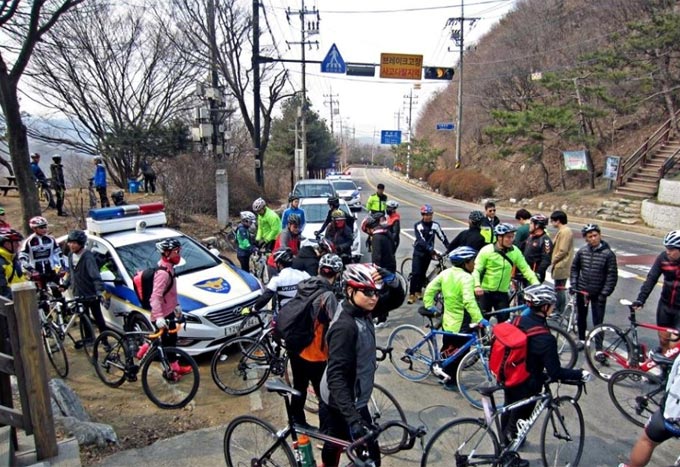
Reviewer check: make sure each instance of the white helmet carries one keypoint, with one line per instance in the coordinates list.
(259, 204)
(672, 239)
(248, 216)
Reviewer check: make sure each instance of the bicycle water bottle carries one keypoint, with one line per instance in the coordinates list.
(305, 451)
(142, 350)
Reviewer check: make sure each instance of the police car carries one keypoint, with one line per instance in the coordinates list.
(316, 210)
(211, 292)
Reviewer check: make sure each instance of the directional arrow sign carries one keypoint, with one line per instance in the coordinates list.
(333, 63)
(446, 126)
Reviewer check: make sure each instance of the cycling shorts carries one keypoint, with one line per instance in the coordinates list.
(656, 429)
(667, 316)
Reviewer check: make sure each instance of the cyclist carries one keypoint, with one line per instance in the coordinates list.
(165, 309)
(494, 268)
(522, 216)
(3, 220)
(563, 255)
(268, 224)
(382, 253)
(347, 383)
(460, 307)
(39, 175)
(307, 258)
(289, 237)
(10, 242)
(393, 222)
(423, 249)
(58, 183)
(293, 208)
(668, 308)
(538, 247)
(489, 222)
(244, 239)
(341, 235)
(283, 285)
(99, 181)
(471, 237)
(377, 202)
(309, 365)
(593, 271)
(40, 254)
(542, 357)
(333, 205)
(84, 277)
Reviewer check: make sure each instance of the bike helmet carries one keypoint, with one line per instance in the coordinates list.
(371, 222)
(333, 202)
(391, 205)
(56, 159)
(330, 263)
(293, 197)
(10, 235)
(360, 276)
(97, 159)
(590, 228)
(37, 221)
(672, 239)
(35, 155)
(539, 220)
(168, 244)
(118, 197)
(294, 219)
(539, 295)
(504, 228)
(462, 255)
(77, 236)
(476, 217)
(338, 214)
(248, 216)
(259, 204)
(426, 209)
(283, 255)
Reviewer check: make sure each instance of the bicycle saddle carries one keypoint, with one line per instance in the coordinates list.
(278, 386)
(427, 313)
(488, 390)
(660, 359)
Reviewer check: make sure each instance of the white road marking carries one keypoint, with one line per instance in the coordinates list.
(255, 401)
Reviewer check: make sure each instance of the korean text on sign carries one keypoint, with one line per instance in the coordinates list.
(401, 66)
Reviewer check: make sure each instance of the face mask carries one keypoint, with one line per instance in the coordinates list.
(174, 259)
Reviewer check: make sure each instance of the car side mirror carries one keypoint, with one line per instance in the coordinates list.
(359, 188)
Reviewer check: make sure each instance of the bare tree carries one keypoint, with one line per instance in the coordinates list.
(232, 43)
(22, 25)
(116, 75)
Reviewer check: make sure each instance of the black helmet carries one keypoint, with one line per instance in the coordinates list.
(56, 159)
(476, 217)
(333, 202)
(168, 244)
(284, 255)
(117, 196)
(539, 220)
(292, 197)
(294, 219)
(77, 236)
(372, 222)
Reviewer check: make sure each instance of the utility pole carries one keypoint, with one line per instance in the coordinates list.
(307, 28)
(259, 163)
(397, 114)
(410, 98)
(457, 33)
(584, 132)
(373, 146)
(331, 100)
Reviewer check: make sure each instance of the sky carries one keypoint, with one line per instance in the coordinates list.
(362, 30)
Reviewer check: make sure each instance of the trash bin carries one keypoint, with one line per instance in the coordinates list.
(133, 186)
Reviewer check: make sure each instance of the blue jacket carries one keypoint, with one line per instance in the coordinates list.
(100, 176)
(288, 212)
(38, 174)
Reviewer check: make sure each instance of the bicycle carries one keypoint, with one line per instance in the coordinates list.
(251, 441)
(472, 441)
(116, 361)
(45, 197)
(92, 196)
(609, 349)
(223, 239)
(258, 265)
(567, 320)
(436, 266)
(638, 394)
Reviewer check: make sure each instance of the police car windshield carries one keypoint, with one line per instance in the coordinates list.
(344, 185)
(139, 256)
(316, 213)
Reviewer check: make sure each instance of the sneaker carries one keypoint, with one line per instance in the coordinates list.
(411, 299)
(380, 325)
(580, 345)
(419, 295)
(181, 370)
(601, 358)
(438, 371)
(450, 387)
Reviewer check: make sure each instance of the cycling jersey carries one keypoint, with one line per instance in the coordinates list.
(285, 239)
(425, 233)
(282, 286)
(244, 240)
(11, 272)
(268, 226)
(42, 254)
(538, 252)
(493, 272)
(460, 304)
(670, 292)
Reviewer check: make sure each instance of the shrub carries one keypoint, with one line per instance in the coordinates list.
(437, 178)
(468, 185)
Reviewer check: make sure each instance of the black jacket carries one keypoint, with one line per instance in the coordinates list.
(306, 260)
(425, 233)
(471, 237)
(538, 253)
(383, 250)
(84, 277)
(670, 292)
(594, 270)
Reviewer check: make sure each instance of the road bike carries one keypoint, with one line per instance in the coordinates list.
(473, 441)
(223, 239)
(568, 319)
(436, 266)
(254, 442)
(45, 197)
(608, 348)
(637, 394)
(258, 265)
(165, 378)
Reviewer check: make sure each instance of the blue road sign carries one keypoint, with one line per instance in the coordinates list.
(446, 126)
(333, 63)
(390, 137)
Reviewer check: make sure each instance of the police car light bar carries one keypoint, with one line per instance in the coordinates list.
(120, 218)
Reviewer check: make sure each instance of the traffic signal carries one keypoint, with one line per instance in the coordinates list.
(437, 72)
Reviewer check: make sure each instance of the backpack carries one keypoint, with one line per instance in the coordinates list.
(507, 361)
(143, 284)
(671, 406)
(295, 320)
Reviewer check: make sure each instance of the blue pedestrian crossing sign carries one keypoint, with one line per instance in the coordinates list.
(333, 63)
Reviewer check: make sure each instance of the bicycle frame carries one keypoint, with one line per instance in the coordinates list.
(473, 340)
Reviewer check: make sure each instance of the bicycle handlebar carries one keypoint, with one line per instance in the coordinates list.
(414, 433)
(161, 331)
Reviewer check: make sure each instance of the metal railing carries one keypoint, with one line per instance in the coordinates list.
(669, 163)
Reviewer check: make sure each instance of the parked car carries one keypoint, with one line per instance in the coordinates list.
(349, 191)
(211, 292)
(312, 188)
(316, 210)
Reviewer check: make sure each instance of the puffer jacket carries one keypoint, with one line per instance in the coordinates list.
(594, 270)
(670, 292)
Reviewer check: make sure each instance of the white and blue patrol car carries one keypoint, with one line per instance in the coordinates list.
(212, 292)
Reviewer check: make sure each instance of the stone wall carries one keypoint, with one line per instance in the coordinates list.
(664, 212)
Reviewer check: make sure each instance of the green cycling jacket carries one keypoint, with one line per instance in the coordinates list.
(268, 226)
(458, 289)
(493, 272)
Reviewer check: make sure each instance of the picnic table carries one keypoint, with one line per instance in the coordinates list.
(11, 185)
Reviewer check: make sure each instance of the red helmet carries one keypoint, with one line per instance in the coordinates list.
(426, 209)
(360, 276)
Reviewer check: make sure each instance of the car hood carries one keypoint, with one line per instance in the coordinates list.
(347, 192)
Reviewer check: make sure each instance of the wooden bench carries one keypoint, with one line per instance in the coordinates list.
(6, 188)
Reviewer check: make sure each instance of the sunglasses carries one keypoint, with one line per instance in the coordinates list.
(40, 226)
(369, 292)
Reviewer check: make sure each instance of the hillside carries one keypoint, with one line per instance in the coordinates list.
(624, 73)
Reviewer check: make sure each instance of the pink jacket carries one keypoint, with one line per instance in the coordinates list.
(162, 305)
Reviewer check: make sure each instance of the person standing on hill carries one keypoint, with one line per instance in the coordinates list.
(58, 183)
(377, 202)
(562, 257)
(99, 181)
(149, 176)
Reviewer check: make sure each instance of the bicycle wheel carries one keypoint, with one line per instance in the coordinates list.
(251, 441)
(240, 366)
(412, 355)
(473, 372)
(139, 323)
(170, 377)
(405, 270)
(108, 356)
(87, 335)
(563, 434)
(636, 394)
(231, 240)
(466, 441)
(383, 407)
(255, 322)
(54, 348)
(608, 350)
(45, 196)
(566, 347)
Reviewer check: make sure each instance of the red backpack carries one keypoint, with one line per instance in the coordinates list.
(507, 361)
